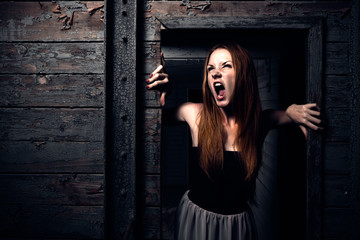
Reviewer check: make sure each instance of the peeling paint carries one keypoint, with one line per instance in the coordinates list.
(43, 80)
(201, 7)
(75, 6)
(27, 20)
(11, 25)
(38, 144)
(70, 9)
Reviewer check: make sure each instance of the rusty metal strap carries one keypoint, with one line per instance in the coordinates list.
(201, 7)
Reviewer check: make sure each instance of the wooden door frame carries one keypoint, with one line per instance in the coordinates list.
(314, 74)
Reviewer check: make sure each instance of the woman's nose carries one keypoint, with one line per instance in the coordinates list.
(216, 73)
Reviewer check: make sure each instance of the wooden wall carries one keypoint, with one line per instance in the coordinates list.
(340, 205)
(51, 120)
(52, 114)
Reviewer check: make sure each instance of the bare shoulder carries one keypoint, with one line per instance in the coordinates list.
(189, 112)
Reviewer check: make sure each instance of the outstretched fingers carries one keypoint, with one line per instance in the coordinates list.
(157, 70)
(314, 119)
(314, 113)
(312, 108)
(306, 116)
(311, 117)
(157, 83)
(157, 80)
(311, 124)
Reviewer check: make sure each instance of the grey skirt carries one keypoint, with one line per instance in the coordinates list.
(194, 222)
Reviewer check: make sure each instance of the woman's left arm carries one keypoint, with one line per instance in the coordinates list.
(305, 116)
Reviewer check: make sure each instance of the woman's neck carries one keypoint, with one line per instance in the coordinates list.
(228, 116)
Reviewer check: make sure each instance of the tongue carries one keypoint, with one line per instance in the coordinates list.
(221, 93)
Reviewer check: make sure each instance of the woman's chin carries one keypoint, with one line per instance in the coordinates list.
(222, 103)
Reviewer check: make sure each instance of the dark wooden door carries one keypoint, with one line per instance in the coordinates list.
(279, 58)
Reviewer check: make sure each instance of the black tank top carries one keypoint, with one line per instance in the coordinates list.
(227, 192)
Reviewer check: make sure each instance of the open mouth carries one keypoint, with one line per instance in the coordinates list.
(220, 90)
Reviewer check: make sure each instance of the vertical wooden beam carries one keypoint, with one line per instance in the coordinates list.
(120, 32)
(355, 118)
(314, 141)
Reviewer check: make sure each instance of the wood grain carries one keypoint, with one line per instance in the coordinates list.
(337, 158)
(51, 221)
(152, 190)
(52, 189)
(151, 223)
(49, 124)
(35, 21)
(51, 157)
(338, 224)
(45, 58)
(337, 91)
(337, 191)
(64, 90)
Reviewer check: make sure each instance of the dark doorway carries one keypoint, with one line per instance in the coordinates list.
(280, 59)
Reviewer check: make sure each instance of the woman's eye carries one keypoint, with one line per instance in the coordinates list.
(228, 65)
(210, 69)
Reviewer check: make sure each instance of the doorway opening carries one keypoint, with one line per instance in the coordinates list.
(280, 60)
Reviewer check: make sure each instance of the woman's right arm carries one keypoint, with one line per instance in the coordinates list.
(187, 112)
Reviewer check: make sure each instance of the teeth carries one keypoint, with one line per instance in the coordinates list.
(217, 84)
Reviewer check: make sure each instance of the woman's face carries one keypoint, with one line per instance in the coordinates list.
(221, 76)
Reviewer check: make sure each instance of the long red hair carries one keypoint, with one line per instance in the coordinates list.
(247, 111)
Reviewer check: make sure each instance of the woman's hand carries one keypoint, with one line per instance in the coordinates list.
(158, 80)
(305, 116)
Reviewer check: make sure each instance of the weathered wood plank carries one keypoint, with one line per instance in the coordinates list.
(337, 91)
(46, 58)
(336, 158)
(51, 157)
(337, 58)
(52, 90)
(152, 157)
(152, 190)
(35, 21)
(235, 22)
(355, 118)
(152, 131)
(245, 9)
(338, 223)
(193, 51)
(337, 191)
(337, 121)
(151, 223)
(151, 55)
(248, 8)
(338, 27)
(51, 124)
(151, 97)
(52, 189)
(151, 29)
(46, 222)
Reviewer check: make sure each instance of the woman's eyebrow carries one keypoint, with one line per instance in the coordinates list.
(211, 65)
(229, 61)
